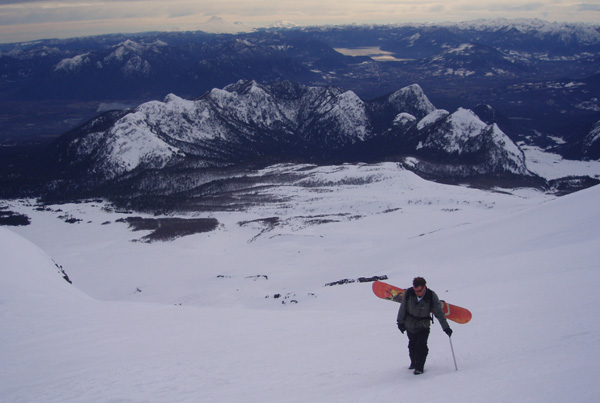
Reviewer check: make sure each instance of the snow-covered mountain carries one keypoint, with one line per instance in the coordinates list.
(128, 56)
(567, 33)
(464, 134)
(218, 25)
(284, 121)
(469, 59)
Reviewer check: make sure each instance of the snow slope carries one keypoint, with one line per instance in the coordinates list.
(525, 263)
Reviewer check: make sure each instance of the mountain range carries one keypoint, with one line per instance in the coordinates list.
(252, 123)
(119, 108)
(541, 75)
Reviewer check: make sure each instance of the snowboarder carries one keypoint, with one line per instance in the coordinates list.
(414, 318)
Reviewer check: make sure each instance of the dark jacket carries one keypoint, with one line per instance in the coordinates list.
(415, 315)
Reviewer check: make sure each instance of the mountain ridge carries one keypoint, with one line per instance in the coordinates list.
(286, 121)
(515, 66)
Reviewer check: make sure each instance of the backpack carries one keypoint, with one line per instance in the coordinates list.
(427, 297)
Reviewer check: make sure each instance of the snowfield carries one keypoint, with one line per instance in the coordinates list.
(243, 312)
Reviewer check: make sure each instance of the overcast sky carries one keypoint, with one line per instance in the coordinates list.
(36, 19)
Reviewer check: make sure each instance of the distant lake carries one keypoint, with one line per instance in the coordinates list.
(374, 52)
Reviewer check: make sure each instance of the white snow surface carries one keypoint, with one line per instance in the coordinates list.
(432, 118)
(404, 119)
(190, 321)
(465, 122)
(553, 166)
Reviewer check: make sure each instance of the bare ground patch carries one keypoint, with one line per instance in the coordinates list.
(168, 229)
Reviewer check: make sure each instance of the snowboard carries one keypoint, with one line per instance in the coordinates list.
(452, 312)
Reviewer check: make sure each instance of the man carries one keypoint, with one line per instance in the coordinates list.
(414, 318)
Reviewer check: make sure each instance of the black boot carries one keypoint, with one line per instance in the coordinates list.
(420, 366)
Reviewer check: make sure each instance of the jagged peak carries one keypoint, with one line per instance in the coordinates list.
(411, 99)
(282, 89)
(129, 45)
(172, 98)
(464, 113)
(220, 96)
(240, 86)
(467, 121)
(413, 89)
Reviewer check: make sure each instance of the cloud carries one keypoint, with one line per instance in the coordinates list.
(35, 12)
(588, 7)
(523, 7)
(61, 18)
(3, 2)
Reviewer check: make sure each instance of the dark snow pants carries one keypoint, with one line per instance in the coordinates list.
(417, 348)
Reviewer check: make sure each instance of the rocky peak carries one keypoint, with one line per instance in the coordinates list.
(411, 100)
(285, 121)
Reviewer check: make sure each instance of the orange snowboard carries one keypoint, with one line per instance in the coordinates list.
(452, 312)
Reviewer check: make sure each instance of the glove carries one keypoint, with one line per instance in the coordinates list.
(401, 327)
(448, 331)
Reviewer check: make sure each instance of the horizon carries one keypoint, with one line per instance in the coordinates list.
(211, 27)
(31, 20)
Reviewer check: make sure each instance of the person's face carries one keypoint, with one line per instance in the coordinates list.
(420, 290)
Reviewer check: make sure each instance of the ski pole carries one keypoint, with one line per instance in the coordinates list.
(453, 356)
